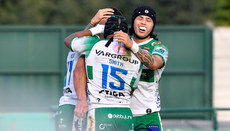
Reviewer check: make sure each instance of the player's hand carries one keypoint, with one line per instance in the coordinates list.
(81, 108)
(101, 14)
(123, 38)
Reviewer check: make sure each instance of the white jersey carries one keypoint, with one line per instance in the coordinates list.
(69, 94)
(112, 71)
(146, 98)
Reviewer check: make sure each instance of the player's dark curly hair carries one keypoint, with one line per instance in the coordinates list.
(116, 11)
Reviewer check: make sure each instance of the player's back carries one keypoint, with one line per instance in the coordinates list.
(112, 72)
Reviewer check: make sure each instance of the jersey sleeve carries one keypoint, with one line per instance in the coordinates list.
(78, 44)
(162, 51)
(82, 44)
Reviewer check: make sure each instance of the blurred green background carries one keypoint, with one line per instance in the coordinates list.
(33, 55)
(81, 11)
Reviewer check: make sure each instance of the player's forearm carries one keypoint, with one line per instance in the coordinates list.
(77, 34)
(88, 26)
(151, 61)
(81, 93)
(80, 80)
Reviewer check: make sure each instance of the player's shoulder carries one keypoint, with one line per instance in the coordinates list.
(89, 39)
(157, 44)
(86, 37)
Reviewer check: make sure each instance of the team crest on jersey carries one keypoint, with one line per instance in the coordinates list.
(148, 111)
(119, 49)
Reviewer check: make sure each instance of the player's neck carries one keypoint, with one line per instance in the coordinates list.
(101, 36)
(110, 36)
(140, 40)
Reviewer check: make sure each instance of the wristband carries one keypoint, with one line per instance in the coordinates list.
(98, 29)
(135, 48)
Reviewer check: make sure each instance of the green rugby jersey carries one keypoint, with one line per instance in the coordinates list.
(146, 98)
(112, 71)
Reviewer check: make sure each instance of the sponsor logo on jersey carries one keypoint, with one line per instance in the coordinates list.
(158, 101)
(67, 90)
(91, 123)
(160, 50)
(112, 93)
(103, 125)
(115, 56)
(119, 116)
(72, 55)
(79, 124)
(155, 43)
(147, 48)
(152, 128)
(61, 125)
(98, 99)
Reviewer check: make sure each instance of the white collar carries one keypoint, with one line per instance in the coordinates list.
(142, 43)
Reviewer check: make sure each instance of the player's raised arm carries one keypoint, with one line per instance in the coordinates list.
(76, 34)
(91, 32)
(101, 14)
(151, 61)
(96, 24)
